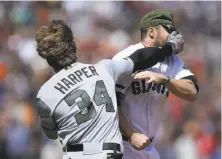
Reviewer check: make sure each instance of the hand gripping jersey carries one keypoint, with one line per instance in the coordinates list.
(143, 103)
(78, 104)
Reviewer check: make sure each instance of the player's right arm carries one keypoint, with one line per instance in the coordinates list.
(145, 58)
(48, 124)
(140, 59)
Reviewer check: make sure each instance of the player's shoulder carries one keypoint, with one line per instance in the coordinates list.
(128, 51)
(104, 64)
(43, 90)
(46, 97)
(42, 103)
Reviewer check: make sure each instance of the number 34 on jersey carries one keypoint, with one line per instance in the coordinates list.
(87, 109)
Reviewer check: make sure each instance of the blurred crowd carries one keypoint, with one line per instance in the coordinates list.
(101, 29)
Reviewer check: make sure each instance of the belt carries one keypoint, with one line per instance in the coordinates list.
(106, 146)
(114, 156)
(127, 139)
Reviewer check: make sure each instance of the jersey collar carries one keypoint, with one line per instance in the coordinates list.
(140, 45)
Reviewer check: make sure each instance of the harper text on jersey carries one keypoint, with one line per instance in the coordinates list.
(75, 77)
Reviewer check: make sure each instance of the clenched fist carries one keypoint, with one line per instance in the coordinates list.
(139, 141)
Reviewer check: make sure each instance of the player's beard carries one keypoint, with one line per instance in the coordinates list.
(159, 42)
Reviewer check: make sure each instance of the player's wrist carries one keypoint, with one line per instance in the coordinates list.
(166, 80)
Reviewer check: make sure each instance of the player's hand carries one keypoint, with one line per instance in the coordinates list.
(139, 141)
(157, 78)
(177, 41)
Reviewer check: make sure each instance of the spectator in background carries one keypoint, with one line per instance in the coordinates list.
(185, 144)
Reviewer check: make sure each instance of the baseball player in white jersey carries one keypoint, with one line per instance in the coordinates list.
(78, 104)
(144, 94)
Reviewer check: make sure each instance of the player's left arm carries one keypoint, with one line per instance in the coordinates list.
(48, 124)
(185, 88)
(183, 84)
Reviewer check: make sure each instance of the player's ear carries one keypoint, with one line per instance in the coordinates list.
(151, 32)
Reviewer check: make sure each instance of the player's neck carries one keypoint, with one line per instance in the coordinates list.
(147, 44)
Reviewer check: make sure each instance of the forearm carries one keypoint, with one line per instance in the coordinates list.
(148, 57)
(183, 88)
(125, 127)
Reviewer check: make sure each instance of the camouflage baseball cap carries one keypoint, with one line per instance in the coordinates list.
(156, 17)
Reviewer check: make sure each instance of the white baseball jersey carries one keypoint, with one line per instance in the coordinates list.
(143, 103)
(78, 104)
